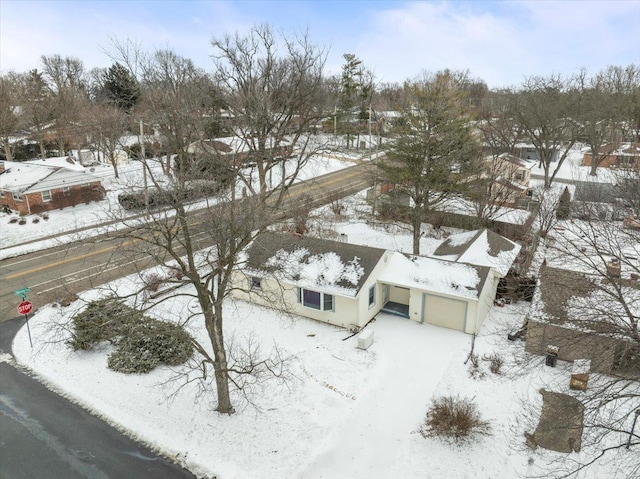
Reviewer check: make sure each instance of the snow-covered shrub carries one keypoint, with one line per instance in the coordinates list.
(102, 320)
(142, 342)
(453, 418)
(150, 343)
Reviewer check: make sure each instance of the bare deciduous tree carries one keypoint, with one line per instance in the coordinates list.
(545, 110)
(274, 88)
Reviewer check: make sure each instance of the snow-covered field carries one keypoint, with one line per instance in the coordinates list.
(347, 413)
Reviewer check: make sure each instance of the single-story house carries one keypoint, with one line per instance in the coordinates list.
(528, 151)
(348, 285)
(622, 155)
(576, 316)
(35, 186)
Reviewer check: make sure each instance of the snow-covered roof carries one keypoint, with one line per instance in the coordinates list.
(582, 301)
(519, 162)
(29, 177)
(503, 214)
(481, 248)
(330, 266)
(58, 162)
(435, 275)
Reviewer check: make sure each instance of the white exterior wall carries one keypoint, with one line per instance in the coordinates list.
(487, 296)
(399, 295)
(284, 296)
(366, 313)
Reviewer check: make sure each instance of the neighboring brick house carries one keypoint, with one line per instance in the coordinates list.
(34, 187)
(624, 155)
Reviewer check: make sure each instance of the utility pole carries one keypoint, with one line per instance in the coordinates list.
(144, 171)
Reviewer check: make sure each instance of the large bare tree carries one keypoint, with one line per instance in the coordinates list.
(9, 117)
(545, 110)
(67, 80)
(274, 88)
(273, 99)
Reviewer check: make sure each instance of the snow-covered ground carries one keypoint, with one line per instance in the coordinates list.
(347, 413)
(13, 236)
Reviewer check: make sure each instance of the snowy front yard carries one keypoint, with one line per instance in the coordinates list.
(346, 413)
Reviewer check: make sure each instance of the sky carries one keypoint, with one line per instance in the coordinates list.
(500, 42)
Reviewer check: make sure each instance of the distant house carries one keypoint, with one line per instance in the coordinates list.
(570, 313)
(511, 175)
(527, 151)
(623, 155)
(347, 285)
(40, 185)
(234, 150)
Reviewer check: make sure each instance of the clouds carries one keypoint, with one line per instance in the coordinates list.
(500, 42)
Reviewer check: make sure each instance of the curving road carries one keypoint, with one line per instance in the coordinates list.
(44, 436)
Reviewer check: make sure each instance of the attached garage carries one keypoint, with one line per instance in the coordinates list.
(446, 312)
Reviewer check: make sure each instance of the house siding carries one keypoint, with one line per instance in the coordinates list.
(284, 296)
(33, 203)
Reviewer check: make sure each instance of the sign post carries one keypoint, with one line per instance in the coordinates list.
(25, 308)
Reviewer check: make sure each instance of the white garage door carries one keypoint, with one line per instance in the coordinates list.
(450, 313)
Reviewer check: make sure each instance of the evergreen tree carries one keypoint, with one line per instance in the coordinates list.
(564, 205)
(122, 87)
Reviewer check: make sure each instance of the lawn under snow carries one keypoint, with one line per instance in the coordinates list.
(13, 236)
(347, 413)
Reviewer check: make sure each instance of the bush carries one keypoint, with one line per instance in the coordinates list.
(22, 221)
(474, 367)
(142, 343)
(13, 220)
(453, 418)
(153, 282)
(495, 363)
(102, 320)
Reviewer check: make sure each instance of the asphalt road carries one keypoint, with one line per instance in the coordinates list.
(67, 269)
(44, 436)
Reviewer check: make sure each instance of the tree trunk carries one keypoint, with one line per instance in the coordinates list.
(43, 153)
(7, 149)
(416, 225)
(214, 327)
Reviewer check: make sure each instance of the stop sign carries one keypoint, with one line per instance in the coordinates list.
(25, 307)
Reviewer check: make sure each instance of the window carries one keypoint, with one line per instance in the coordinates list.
(17, 196)
(311, 299)
(46, 195)
(65, 189)
(372, 295)
(328, 302)
(316, 300)
(255, 282)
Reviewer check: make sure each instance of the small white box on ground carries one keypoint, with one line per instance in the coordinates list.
(365, 339)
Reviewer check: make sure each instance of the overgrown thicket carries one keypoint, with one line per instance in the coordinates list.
(454, 418)
(142, 343)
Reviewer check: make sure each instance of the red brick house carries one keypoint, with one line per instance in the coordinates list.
(31, 188)
(625, 155)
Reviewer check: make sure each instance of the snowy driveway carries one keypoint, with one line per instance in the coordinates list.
(367, 441)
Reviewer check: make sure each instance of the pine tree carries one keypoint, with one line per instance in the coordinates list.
(564, 205)
(122, 88)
